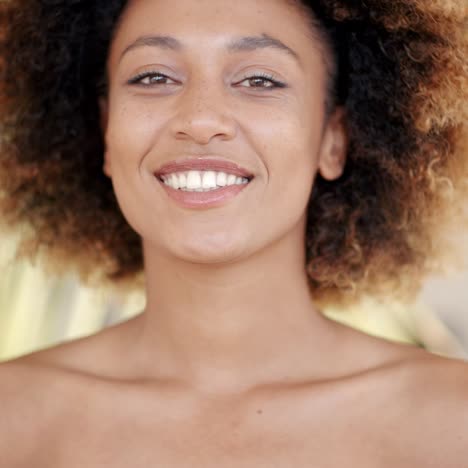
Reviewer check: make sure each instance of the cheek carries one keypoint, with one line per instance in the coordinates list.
(291, 160)
(130, 132)
(291, 149)
(129, 139)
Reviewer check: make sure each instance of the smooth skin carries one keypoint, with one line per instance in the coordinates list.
(230, 364)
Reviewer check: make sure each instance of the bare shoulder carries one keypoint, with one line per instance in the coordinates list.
(34, 396)
(414, 403)
(440, 381)
(426, 410)
(42, 392)
(22, 402)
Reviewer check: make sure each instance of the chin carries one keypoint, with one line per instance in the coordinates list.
(209, 249)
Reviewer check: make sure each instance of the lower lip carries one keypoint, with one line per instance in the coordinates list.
(211, 198)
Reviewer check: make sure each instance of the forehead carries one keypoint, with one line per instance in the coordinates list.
(214, 23)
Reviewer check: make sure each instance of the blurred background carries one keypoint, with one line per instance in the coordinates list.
(38, 311)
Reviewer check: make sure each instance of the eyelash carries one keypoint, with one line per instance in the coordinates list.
(137, 80)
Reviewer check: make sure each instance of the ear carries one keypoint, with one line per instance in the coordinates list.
(334, 146)
(104, 117)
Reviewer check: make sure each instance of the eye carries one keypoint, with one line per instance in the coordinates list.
(149, 79)
(262, 81)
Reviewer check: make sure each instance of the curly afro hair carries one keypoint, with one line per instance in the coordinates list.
(401, 74)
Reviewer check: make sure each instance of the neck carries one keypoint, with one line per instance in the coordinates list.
(218, 325)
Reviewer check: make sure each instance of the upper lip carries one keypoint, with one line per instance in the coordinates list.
(205, 163)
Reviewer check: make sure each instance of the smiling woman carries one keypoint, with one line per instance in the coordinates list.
(255, 160)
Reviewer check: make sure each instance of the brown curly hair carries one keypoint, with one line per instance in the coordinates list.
(401, 74)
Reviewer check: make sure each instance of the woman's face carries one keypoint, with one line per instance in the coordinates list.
(206, 106)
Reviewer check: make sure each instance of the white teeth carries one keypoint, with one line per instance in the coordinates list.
(194, 180)
(221, 179)
(202, 181)
(182, 180)
(209, 180)
(174, 181)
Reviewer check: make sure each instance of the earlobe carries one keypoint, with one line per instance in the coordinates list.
(106, 168)
(334, 146)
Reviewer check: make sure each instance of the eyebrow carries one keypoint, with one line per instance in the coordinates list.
(245, 43)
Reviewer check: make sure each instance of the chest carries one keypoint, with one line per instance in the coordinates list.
(276, 429)
(221, 443)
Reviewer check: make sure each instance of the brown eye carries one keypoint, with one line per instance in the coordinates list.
(262, 81)
(150, 79)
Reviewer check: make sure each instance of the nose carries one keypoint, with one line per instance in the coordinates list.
(203, 114)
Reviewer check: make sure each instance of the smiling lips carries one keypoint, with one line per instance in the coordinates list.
(202, 182)
(203, 164)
